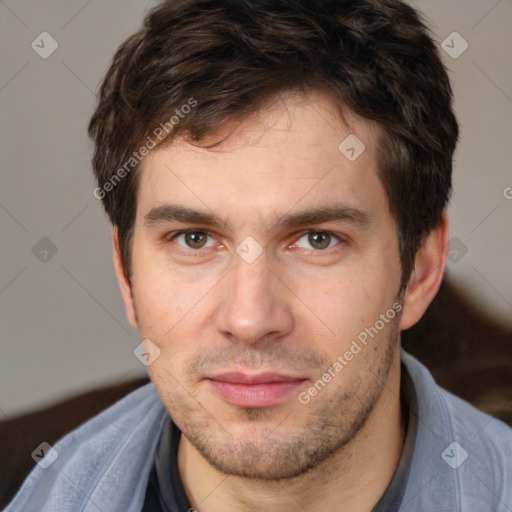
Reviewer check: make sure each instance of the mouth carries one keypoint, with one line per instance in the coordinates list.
(254, 391)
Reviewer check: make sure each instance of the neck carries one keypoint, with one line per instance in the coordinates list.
(355, 477)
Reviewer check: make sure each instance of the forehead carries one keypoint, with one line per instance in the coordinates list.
(295, 151)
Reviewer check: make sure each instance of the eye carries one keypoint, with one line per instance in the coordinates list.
(318, 240)
(193, 240)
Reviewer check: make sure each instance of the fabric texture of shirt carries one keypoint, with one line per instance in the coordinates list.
(461, 458)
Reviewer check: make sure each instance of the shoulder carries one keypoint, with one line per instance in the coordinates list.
(464, 454)
(453, 412)
(105, 461)
(487, 441)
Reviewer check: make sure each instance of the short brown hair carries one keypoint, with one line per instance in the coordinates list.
(375, 57)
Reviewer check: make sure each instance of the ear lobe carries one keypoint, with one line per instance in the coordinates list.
(427, 274)
(124, 283)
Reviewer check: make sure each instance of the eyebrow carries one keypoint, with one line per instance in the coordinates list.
(334, 213)
(177, 213)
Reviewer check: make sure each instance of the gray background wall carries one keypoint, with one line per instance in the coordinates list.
(63, 325)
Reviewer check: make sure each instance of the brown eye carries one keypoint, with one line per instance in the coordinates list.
(193, 240)
(319, 239)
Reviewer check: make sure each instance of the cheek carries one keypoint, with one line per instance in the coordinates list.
(163, 308)
(159, 303)
(177, 316)
(343, 304)
(164, 298)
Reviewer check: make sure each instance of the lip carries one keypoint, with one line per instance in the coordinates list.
(255, 391)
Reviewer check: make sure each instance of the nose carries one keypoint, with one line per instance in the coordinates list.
(255, 304)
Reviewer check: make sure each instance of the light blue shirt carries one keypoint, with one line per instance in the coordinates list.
(462, 459)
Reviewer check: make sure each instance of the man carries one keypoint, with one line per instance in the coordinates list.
(277, 173)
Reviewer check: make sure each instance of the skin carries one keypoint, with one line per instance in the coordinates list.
(293, 310)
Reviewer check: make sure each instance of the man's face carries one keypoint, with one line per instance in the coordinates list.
(292, 253)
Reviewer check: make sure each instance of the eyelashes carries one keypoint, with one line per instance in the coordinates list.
(322, 239)
(191, 241)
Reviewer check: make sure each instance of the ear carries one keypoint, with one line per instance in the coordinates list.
(427, 274)
(124, 283)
